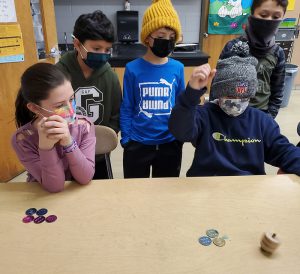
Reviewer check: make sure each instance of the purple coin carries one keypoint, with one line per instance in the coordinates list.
(39, 219)
(51, 218)
(28, 219)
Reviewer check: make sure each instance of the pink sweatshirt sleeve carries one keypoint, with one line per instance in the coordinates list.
(82, 159)
(47, 168)
(44, 165)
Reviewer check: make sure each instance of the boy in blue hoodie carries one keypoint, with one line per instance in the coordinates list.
(230, 137)
(151, 86)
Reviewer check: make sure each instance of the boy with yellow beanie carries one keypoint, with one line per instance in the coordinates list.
(151, 85)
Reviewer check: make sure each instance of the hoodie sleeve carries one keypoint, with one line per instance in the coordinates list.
(279, 151)
(277, 85)
(44, 166)
(127, 107)
(82, 159)
(62, 67)
(181, 84)
(183, 122)
(114, 121)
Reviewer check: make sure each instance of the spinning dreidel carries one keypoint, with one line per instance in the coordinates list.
(269, 242)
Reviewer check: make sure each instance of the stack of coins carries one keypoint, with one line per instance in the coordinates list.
(269, 242)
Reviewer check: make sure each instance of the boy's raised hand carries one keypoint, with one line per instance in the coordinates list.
(201, 76)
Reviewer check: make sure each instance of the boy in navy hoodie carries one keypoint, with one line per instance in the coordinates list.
(230, 137)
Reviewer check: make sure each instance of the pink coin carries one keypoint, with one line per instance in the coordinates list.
(28, 219)
(51, 218)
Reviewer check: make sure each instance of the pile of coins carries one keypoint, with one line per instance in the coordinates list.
(212, 236)
(37, 216)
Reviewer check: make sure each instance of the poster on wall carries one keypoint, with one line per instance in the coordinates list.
(11, 43)
(7, 11)
(291, 5)
(228, 16)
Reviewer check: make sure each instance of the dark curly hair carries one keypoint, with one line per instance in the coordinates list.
(94, 26)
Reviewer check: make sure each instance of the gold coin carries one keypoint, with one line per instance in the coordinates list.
(219, 242)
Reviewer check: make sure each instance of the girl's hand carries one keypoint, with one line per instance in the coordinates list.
(45, 143)
(57, 129)
(201, 76)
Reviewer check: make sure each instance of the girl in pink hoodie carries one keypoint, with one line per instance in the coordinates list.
(51, 142)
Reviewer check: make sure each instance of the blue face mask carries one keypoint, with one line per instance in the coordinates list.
(95, 60)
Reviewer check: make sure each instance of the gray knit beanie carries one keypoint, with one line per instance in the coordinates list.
(236, 74)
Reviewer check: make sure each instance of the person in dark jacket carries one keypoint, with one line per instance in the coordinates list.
(230, 137)
(263, 23)
(96, 85)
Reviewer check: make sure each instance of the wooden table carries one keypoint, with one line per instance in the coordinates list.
(152, 226)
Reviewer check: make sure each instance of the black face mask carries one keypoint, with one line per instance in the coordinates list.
(95, 60)
(261, 33)
(162, 47)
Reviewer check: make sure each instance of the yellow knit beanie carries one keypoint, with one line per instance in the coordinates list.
(160, 14)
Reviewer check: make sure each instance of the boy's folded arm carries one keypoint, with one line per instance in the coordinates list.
(285, 155)
(279, 151)
(183, 120)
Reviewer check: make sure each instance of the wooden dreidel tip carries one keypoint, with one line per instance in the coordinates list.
(269, 242)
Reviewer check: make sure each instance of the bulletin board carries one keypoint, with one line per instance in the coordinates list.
(11, 43)
(228, 16)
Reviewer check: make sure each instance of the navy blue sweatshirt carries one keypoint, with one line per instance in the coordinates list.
(228, 145)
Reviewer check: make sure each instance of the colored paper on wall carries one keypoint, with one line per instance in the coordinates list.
(291, 5)
(7, 11)
(288, 23)
(11, 43)
(228, 16)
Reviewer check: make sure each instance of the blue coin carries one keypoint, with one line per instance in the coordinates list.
(42, 211)
(204, 240)
(30, 211)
